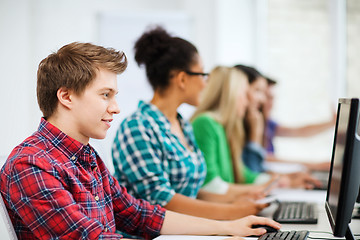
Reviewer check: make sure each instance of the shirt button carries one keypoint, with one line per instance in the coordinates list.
(106, 229)
(97, 198)
(73, 158)
(95, 168)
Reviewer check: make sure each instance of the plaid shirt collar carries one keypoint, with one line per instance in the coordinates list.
(154, 112)
(70, 147)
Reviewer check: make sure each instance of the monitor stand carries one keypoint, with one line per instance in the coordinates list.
(349, 235)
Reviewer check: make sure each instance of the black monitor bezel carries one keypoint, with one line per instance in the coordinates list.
(350, 177)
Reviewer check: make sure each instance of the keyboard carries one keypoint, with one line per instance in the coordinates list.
(285, 235)
(296, 212)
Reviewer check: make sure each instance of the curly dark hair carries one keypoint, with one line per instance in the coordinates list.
(161, 54)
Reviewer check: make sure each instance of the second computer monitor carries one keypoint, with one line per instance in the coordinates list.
(344, 177)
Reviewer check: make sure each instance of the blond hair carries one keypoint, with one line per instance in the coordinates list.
(219, 100)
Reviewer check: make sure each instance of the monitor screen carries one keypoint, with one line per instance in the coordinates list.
(337, 164)
(344, 174)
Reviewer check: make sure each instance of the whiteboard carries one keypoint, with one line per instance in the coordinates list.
(120, 31)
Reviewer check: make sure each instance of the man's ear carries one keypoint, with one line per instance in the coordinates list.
(64, 96)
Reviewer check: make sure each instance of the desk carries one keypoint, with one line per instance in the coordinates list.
(317, 196)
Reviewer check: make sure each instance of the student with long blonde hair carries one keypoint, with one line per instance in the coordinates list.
(219, 132)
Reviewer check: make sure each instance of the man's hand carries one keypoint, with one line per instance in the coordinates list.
(243, 226)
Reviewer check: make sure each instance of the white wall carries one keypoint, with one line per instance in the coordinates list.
(353, 50)
(15, 90)
(299, 47)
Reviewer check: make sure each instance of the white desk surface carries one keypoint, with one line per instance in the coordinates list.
(287, 195)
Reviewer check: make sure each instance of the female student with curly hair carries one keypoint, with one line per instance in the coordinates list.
(154, 153)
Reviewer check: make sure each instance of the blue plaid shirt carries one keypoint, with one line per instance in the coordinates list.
(151, 161)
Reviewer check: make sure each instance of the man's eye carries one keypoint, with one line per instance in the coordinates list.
(105, 94)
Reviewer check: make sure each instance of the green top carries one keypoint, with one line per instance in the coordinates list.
(211, 139)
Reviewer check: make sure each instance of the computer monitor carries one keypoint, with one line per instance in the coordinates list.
(344, 177)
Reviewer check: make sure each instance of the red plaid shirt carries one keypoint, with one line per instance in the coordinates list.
(55, 187)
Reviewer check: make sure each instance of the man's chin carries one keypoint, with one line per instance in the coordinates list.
(99, 137)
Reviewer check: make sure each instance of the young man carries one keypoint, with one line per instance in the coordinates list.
(55, 185)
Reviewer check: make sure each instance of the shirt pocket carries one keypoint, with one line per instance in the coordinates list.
(88, 202)
(176, 164)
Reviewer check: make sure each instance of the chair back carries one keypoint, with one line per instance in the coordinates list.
(6, 228)
(7, 231)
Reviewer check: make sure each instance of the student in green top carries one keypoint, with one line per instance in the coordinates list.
(219, 132)
(217, 125)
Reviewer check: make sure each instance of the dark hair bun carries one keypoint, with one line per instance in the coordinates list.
(152, 45)
(161, 53)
